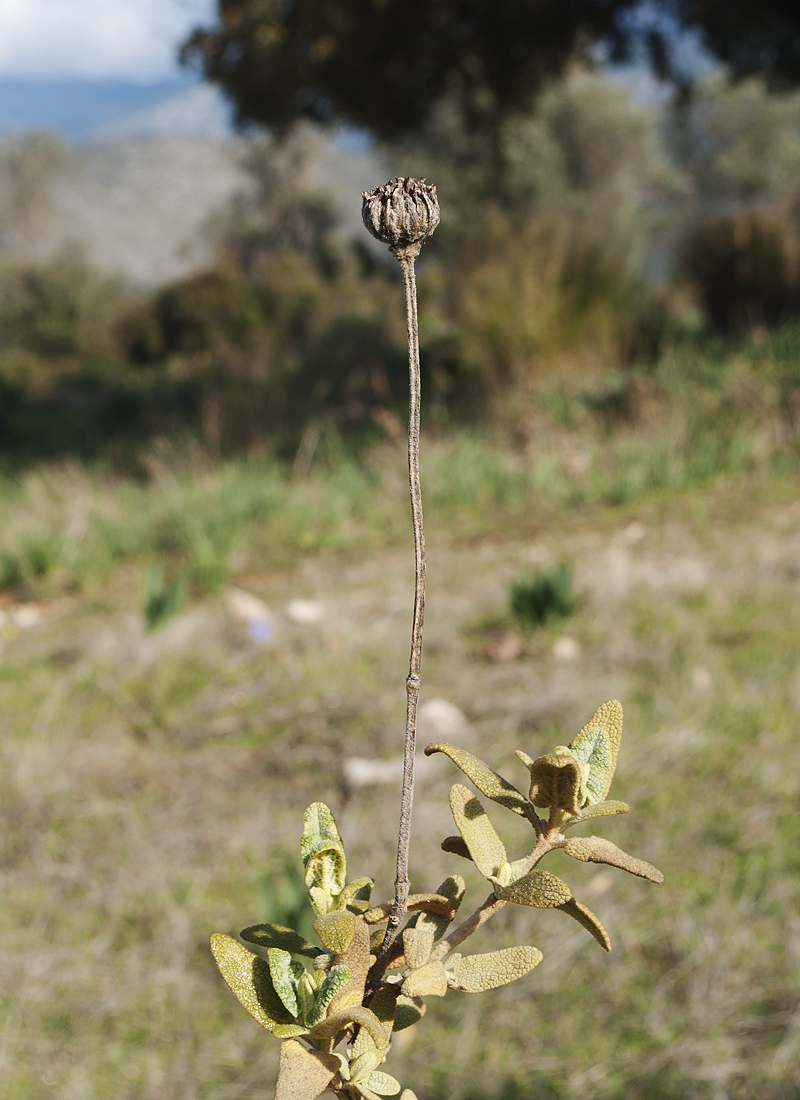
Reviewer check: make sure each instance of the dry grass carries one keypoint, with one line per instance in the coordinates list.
(150, 780)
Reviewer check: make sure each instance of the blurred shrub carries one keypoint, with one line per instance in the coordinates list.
(542, 596)
(745, 267)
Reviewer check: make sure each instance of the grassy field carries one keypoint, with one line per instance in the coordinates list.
(153, 780)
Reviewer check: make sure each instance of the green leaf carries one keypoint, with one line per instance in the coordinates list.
(303, 1074)
(323, 854)
(595, 849)
(601, 809)
(488, 782)
(556, 782)
(596, 748)
(335, 980)
(453, 888)
(476, 973)
(275, 935)
(336, 930)
(383, 1084)
(485, 846)
(248, 977)
(583, 915)
(409, 1011)
(540, 889)
(285, 972)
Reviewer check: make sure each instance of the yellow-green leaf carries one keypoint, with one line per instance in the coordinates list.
(485, 846)
(323, 851)
(597, 746)
(476, 973)
(303, 1075)
(556, 782)
(595, 849)
(289, 1031)
(541, 889)
(601, 809)
(336, 929)
(383, 1083)
(275, 935)
(248, 978)
(583, 915)
(362, 1065)
(488, 782)
(285, 972)
(335, 980)
(428, 981)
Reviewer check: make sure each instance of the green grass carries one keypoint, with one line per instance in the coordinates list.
(149, 780)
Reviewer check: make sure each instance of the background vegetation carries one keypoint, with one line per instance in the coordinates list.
(611, 353)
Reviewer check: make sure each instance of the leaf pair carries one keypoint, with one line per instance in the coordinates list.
(577, 776)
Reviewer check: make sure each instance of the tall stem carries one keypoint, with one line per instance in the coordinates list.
(406, 258)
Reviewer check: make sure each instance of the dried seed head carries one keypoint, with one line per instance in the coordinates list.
(401, 213)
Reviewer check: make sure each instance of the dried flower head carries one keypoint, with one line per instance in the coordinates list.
(401, 213)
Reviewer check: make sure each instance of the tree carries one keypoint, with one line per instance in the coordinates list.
(386, 64)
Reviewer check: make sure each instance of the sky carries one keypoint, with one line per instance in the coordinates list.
(121, 40)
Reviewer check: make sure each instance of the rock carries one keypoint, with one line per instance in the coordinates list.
(305, 611)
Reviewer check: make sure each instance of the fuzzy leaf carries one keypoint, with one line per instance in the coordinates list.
(285, 971)
(556, 782)
(303, 1075)
(364, 1092)
(323, 854)
(409, 1011)
(594, 849)
(356, 893)
(384, 1005)
(407, 1094)
(326, 1031)
(583, 915)
(488, 782)
(476, 973)
(275, 935)
(429, 981)
(249, 979)
(308, 986)
(417, 946)
(597, 747)
(336, 929)
(456, 846)
(453, 888)
(289, 1031)
(362, 1065)
(357, 958)
(428, 903)
(335, 980)
(383, 1083)
(538, 888)
(485, 846)
(510, 872)
(601, 809)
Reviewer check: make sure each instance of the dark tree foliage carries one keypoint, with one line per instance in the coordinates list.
(384, 64)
